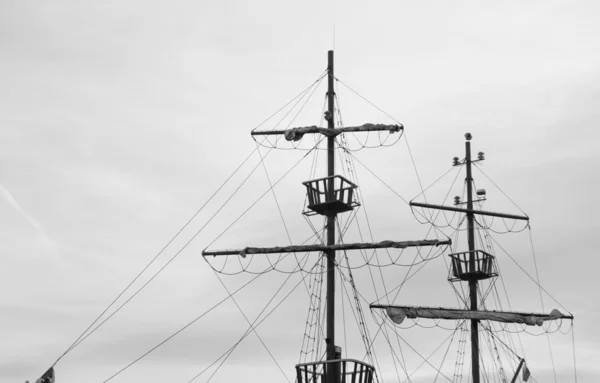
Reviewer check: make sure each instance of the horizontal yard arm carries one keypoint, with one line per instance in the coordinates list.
(462, 210)
(398, 313)
(320, 248)
(295, 134)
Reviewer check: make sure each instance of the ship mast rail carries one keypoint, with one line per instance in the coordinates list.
(473, 264)
(349, 371)
(322, 200)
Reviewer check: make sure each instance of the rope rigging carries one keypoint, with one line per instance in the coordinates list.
(496, 335)
(91, 329)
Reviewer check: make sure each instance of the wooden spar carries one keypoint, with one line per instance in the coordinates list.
(324, 248)
(331, 261)
(296, 133)
(471, 211)
(457, 314)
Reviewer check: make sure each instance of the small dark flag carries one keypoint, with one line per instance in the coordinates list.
(526, 374)
(48, 377)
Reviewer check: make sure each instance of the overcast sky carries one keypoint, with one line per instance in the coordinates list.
(119, 119)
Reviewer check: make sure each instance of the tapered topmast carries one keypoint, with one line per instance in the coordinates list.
(330, 341)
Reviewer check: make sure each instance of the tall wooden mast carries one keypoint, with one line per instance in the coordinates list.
(330, 341)
(330, 196)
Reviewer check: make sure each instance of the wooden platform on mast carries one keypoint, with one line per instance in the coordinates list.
(472, 265)
(321, 201)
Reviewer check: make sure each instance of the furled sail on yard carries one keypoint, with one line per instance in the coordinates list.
(397, 314)
(295, 134)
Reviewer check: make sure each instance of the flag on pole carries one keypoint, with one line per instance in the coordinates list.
(48, 377)
(526, 373)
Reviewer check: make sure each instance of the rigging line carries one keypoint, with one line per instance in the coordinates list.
(309, 324)
(573, 341)
(491, 332)
(250, 324)
(255, 325)
(414, 166)
(501, 191)
(368, 133)
(319, 326)
(364, 335)
(323, 311)
(379, 329)
(528, 275)
(537, 274)
(507, 299)
(298, 99)
(460, 352)
(446, 354)
(303, 105)
(313, 167)
(81, 337)
(372, 104)
(265, 193)
(376, 176)
(364, 330)
(436, 181)
(272, 266)
(295, 116)
(393, 352)
(439, 371)
(345, 290)
(361, 317)
(287, 232)
(425, 360)
(171, 259)
(313, 316)
(370, 273)
(302, 108)
(343, 316)
(314, 86)
(403, 363)
(316, 233)
(496, 361)
(292, 100)
(407, 277)
(356, 318)
(186, 326)
(443, 201)
(277, 204)
(483, 367)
